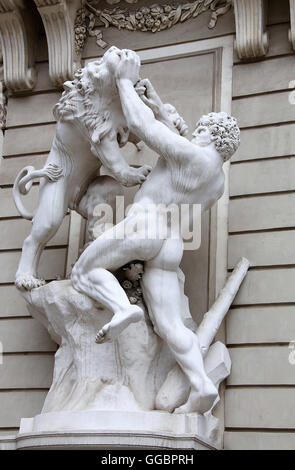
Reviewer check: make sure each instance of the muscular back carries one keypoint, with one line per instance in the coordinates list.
(197, 178)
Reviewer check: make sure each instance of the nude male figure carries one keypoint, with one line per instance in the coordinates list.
(186, 172)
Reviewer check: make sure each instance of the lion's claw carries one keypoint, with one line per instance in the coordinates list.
(28, 282)
(136, 175)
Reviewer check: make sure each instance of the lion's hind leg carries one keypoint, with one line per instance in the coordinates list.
(49, 215)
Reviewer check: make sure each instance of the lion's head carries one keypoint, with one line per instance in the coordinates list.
(89, 96)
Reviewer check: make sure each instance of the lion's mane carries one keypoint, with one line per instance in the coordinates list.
(81, 100)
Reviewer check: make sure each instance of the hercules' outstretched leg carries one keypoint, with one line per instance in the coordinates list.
(102, 286)
(160, 285)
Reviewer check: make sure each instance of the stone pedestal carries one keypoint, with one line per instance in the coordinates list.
(117, 430)
(114, 430)
(115, 395)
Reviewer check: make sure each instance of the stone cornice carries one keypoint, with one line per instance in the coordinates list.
(16, 39)
(251, 38)
(58, 17)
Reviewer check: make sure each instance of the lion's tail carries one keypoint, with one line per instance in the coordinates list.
(22, 185)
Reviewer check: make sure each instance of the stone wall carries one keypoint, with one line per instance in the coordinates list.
(260, 390)
(258, 400)
(26, 372)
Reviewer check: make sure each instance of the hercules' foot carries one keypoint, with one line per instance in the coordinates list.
(119, 322)
(199, 402)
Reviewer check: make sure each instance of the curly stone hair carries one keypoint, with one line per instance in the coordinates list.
(224, 131)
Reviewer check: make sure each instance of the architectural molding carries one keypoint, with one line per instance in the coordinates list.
(58, 17)
(3, 105)
(155, 18)
(16, 38)
(251, 38)
(292, 23)
(101, 440)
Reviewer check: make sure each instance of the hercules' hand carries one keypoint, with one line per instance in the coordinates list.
(148, 95)
(128, 67)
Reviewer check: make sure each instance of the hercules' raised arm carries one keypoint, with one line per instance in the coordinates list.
(141, 119)
(166, 113)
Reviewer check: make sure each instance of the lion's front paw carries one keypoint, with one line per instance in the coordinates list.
(28, 282)
(138, 175)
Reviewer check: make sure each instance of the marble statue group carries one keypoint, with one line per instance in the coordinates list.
(105, 106)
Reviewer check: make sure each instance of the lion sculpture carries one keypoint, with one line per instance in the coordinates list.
(90, 130)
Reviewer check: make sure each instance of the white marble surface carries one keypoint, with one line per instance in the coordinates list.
(150, 369)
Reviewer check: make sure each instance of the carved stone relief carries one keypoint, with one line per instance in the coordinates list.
(158, 17)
